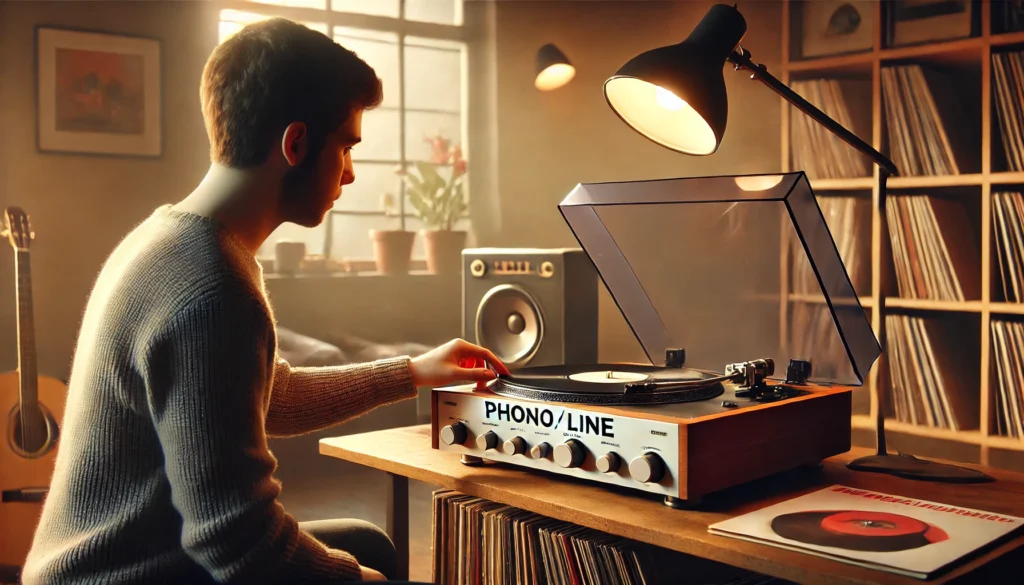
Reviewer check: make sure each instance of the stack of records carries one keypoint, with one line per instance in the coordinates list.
(1007, 352)
(1008, 91)
(927, 363)
(933, 249)
(1008, 225)
(480, 542)
(918, 141)
(816, 150)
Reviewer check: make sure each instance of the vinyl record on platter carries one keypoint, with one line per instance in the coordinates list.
(608, 384)
(860, 530)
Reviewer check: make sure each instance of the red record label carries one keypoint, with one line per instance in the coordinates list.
(864, 523)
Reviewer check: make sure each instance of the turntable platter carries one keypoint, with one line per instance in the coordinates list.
(608, 384)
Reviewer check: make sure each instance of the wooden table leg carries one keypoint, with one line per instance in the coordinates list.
(397, 522)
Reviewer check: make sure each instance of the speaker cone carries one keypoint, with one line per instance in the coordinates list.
(509, 323)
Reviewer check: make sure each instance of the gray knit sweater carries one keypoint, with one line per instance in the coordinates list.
(163, 472)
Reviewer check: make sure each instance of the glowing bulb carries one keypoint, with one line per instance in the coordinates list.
(668, 100)
(758, 182)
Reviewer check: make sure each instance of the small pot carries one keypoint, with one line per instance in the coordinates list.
(444, 250)
(288, 256)
(392, 250)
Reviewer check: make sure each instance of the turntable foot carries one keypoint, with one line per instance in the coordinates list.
(814, 466)
(472, 460)
(680, 504)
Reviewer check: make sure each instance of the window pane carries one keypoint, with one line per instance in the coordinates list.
(380, 50)
(318, 4)
(367, 192)
(374, 7)
(420, 126)
(433, 74)
(232, 21)
(381, 136)
(352, 235)
(439, 11)
(313, 237)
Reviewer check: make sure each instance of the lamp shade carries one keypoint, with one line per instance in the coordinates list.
(553, 68)
(675, 95)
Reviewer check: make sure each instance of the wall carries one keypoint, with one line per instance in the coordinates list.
(550, 141)
(80, 206)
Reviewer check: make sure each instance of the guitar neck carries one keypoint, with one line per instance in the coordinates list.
(26, 331)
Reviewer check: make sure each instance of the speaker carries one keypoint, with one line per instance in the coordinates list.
(531, 306)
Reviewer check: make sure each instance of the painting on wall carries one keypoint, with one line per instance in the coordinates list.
(98, 93)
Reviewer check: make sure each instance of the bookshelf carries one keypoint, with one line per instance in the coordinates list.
(964, 76)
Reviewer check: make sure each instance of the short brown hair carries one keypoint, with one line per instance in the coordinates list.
(275, 72)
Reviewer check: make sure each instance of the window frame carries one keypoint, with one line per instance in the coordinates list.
(457, 33)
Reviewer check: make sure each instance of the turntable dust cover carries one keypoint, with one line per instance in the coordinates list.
(911, 537)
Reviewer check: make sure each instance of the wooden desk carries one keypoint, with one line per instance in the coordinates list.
(405, 453)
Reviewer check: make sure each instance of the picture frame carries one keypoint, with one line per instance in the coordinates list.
(98, 93)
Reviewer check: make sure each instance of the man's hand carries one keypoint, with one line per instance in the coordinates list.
(456, 361)
(371, 575)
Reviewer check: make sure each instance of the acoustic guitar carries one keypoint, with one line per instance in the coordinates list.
(34, 406)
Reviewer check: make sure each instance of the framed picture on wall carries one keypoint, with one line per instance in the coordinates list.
(97, 93)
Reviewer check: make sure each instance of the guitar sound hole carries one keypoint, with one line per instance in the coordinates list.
(36, 436)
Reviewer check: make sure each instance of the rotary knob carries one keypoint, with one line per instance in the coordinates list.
(487, 441)
(514, 446)
(647, 468)
(609, 462)
(454, 434)
(540, 451)
(570, 454)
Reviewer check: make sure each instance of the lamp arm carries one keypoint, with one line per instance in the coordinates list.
(740, 58)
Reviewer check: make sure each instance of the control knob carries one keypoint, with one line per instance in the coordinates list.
(570, 454)
(540, 451)
(609, 462)
(487, 441)
(647, 468)
(514, 446)
(454, 434)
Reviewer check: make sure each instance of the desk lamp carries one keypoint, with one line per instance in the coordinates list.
(675, 96)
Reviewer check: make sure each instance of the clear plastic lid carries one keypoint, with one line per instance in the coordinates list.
(729, 268)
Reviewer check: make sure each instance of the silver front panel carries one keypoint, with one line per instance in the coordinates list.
(538, 422)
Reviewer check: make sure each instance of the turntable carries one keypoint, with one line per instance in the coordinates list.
(735, 290)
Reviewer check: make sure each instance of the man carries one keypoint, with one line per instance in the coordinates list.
(163, 472)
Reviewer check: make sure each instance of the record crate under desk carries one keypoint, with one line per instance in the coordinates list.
(405, 453)
(937, 260)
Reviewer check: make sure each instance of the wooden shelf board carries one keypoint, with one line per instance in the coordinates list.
(935, 181)
(956, 51)
(933, 305)
(1005, 443)
(863, 421)
(859, 183)
(1007, 308)
(972, 437)
(1006, 178)
(849, 63)
(865, 301)
(1002, 39)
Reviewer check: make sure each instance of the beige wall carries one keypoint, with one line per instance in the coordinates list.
(538, 146)
(81, 205)
(549, 142)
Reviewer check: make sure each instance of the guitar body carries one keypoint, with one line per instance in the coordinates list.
(18, 519)
(31, 408)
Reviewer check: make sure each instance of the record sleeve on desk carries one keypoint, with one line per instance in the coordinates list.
(916, 538)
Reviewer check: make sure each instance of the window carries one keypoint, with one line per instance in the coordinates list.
(418, 49)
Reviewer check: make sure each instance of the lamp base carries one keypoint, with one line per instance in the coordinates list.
(910, 467)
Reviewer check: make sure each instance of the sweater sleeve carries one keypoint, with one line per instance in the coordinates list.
(308, 399)
(209, 374)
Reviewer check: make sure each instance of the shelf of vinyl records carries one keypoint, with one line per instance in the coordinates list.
(937, 260)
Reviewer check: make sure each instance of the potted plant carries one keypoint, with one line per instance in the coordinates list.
(436, 191)
(392, 249)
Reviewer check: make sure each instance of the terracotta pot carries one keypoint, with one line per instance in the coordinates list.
(392, 250)
(444, 250)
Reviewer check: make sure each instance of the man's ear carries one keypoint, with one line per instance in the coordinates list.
(295, 143)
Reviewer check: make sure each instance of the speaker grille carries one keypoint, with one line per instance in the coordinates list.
(509, 322)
